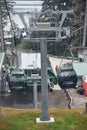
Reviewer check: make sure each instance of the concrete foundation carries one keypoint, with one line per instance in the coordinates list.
(50, 121)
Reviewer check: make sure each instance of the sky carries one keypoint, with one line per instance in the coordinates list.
(16, 18)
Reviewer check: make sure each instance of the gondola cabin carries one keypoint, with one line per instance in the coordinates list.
(66, 77)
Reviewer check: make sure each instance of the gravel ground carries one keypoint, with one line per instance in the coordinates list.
(56, 99)
(78, 100)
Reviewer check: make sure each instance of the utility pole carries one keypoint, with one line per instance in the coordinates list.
(1, 31)
(85, 28)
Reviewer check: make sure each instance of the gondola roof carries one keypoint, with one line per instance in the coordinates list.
(80, 68)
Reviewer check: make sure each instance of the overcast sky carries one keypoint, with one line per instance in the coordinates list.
(32, 8)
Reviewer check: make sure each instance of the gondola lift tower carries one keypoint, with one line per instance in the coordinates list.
(44, 27)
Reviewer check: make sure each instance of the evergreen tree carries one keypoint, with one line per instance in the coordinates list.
(77, 21)
(74, 21)
(4, 12)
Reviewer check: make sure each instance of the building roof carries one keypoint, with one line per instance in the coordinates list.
(79, 48)
(80, 68)
(30, 61)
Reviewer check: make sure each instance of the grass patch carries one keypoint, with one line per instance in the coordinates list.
(65, 119)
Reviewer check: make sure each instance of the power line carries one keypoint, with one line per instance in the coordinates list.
(79, 29)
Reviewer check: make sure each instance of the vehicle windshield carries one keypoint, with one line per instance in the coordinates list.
(67, 73)
(18, 76)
